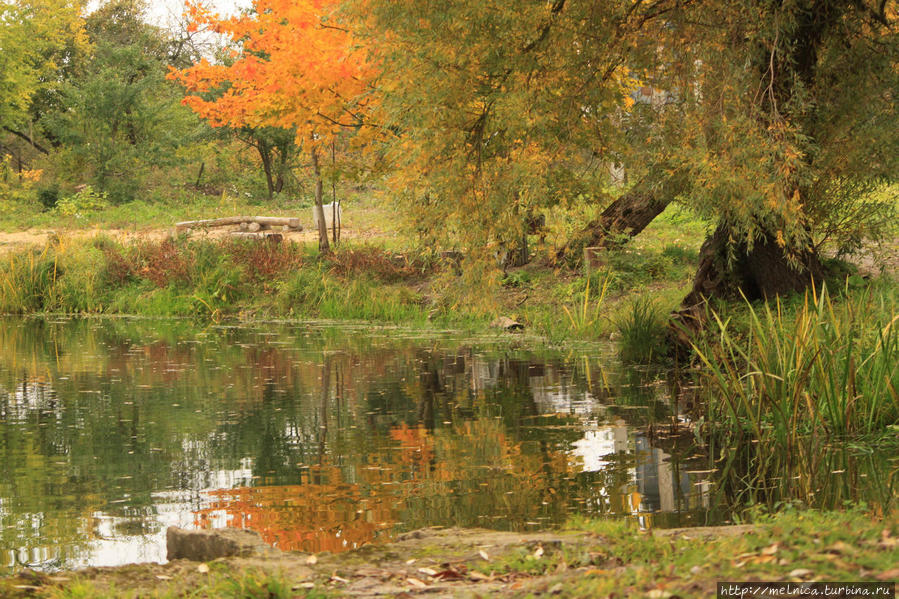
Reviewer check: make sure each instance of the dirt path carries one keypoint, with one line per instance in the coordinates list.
(19, 240)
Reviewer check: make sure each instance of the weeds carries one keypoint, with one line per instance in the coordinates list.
(642, 333)
(585, 318)
(27, 281)
(375, 263)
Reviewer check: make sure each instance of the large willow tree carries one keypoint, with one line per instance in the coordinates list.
(772, 119)
(789, 112)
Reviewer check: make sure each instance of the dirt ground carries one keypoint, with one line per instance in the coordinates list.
(432, 562)
(18, 240)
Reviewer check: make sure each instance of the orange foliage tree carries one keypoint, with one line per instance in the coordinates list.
(295, 67)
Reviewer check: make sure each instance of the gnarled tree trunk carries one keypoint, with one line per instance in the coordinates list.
(764, 271)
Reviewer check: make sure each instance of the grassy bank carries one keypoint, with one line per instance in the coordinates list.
(211, 279)
(589, 559)
(216, 279)
(806, 385)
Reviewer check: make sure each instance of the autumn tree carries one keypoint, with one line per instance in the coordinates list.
(295, 67)
(788, 115)
(773, 120)
(492, 125)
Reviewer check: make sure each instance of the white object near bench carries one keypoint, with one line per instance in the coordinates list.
(329, 210)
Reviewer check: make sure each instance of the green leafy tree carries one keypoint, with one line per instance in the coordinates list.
(38, 40)
(118, 120)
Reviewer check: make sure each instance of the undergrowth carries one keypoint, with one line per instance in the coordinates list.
(181, 277)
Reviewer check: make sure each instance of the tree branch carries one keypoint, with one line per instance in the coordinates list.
(33, 143)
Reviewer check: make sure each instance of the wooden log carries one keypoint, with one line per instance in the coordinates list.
(267, 235)
(262, 221)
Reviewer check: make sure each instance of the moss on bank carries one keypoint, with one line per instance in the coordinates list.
(590, 559)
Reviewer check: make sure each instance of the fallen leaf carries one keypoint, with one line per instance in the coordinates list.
(799, 573)
(889, 575)
(449, 575)
(484, 555)
(428, 571)
(416, 583)
(163, 577)
(771, 549)
(475, 575)
(303, 585)
(840, 547)
(597, 572)
(311, 560)
(556, 589)
(336, 578)
(658, 594)
(203, 569)
(409, 562)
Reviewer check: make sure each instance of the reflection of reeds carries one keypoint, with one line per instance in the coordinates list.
(790, 396)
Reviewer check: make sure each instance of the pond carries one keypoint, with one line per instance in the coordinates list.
(321, 437)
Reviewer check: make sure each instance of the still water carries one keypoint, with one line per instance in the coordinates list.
(318, 437)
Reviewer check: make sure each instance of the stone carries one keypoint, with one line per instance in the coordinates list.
(504, 322)
(206, 545)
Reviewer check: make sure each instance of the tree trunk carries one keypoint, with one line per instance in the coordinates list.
(626, 217)
(266, 156)
(323, 245)
(763, 272)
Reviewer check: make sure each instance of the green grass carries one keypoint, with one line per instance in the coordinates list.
(213, 280)
(624, 561)
(362, 212)
(642, 333)
(220, 583)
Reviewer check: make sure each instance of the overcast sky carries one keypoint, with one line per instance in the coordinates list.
(160, 12)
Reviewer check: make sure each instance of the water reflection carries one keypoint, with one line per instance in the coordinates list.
(319, 438)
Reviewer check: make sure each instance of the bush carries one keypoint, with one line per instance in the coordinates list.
(48, 196)
(84, 201)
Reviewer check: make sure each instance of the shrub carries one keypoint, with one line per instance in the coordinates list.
(82, 202)
(48, 196)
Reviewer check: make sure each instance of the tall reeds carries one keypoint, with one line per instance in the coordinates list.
(791, 392)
